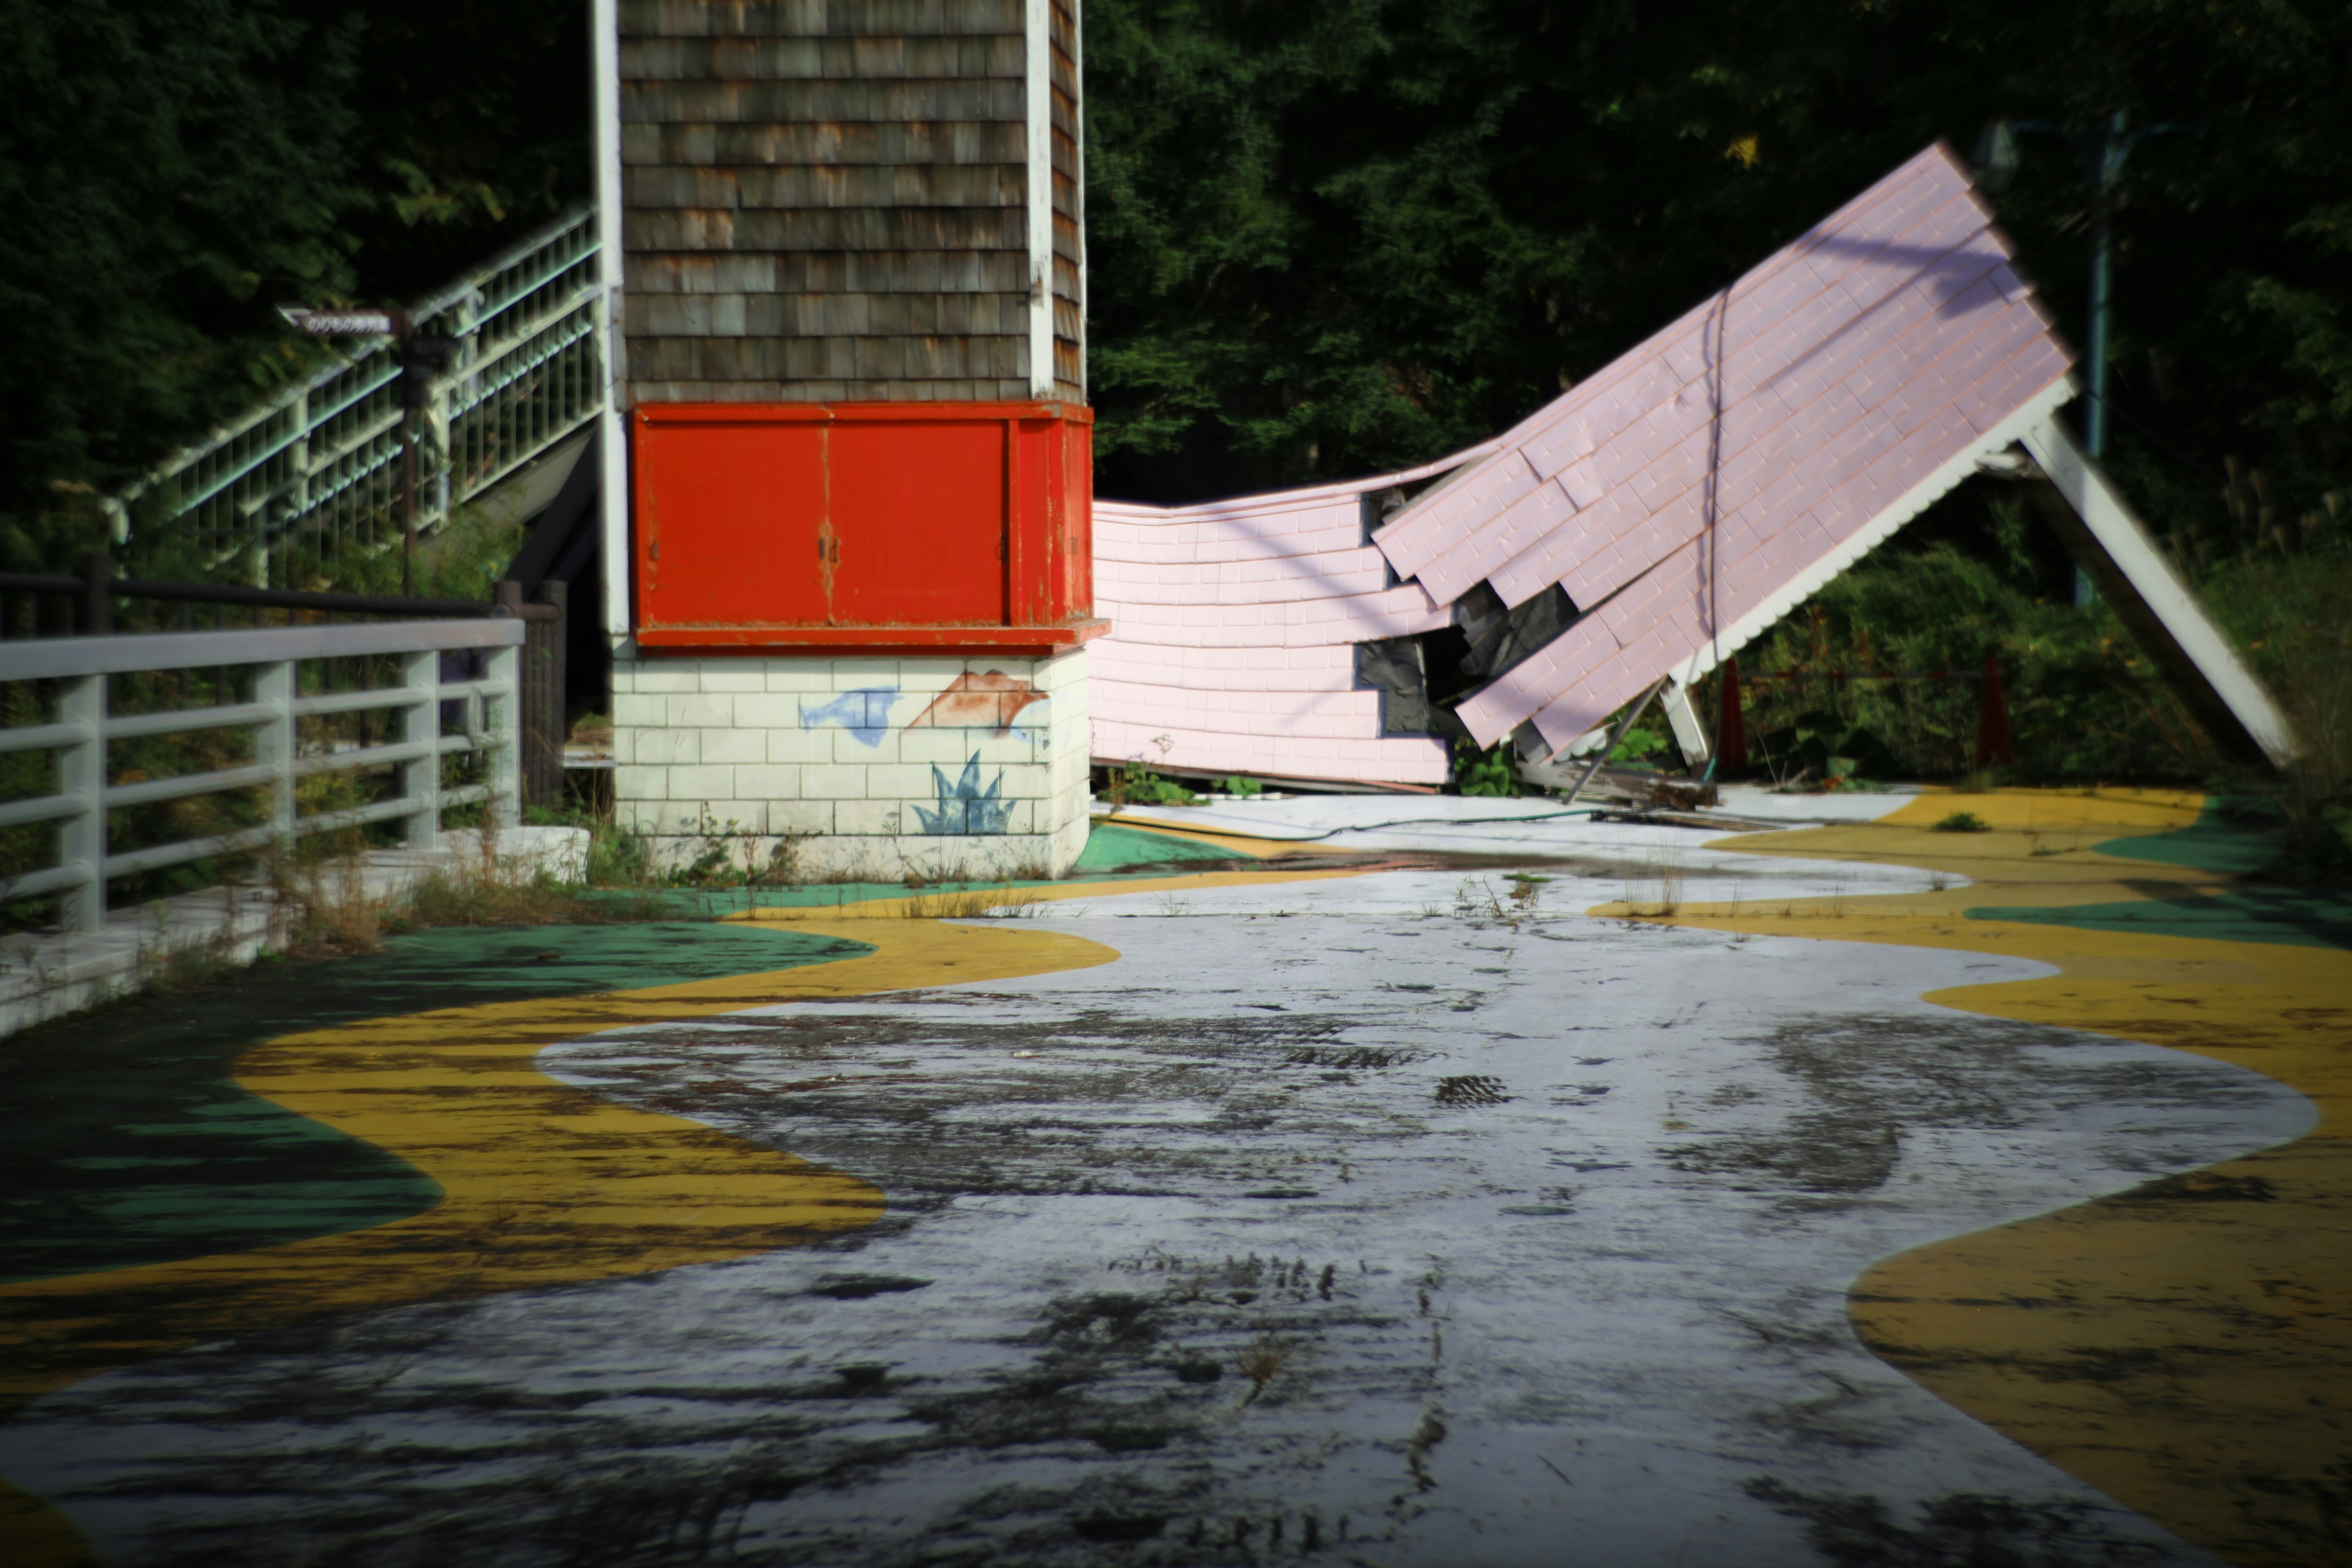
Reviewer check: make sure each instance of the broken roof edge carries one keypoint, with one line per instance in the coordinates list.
(1558, 724)
(1907, 509)
(1398, 531)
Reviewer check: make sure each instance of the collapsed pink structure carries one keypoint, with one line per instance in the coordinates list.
(1684, 498)
(1233, 636)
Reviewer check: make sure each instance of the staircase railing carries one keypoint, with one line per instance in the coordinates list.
(318, 468)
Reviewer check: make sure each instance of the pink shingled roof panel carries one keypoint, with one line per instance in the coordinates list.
(1233, 626)
(1777, 422)
(1679, 489)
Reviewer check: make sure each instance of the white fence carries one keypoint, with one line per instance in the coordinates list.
(84, 729)
(319, 465)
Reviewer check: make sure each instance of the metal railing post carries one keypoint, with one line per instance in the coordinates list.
(420, 722)
(504, 739)
(96, 617)
(81, 777)
(274, 743)
(549, 649)
(297, 455)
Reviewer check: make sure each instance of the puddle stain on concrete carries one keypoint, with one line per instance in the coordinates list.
(2185, 1347)
(1869, 1082)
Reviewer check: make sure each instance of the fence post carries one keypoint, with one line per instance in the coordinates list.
(274, 743)
(1994, 743)
(420, 722)
(96, 617)
(81, 774)
(555, 685)
(504, 739)
(541, 726)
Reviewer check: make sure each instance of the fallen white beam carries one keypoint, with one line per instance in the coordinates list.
(1690, 735)
(2149, 598)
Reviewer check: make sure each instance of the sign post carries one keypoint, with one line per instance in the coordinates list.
(419, 358)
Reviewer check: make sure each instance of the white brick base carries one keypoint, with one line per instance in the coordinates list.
(873, 767)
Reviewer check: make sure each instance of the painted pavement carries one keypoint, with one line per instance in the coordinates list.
(1400, 1218)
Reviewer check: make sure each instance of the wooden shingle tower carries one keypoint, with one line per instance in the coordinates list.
(851, 430)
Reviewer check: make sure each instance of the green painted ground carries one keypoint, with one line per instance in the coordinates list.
(129, 1142)
(2214, 842)
(2269, 914)
(1111, 848)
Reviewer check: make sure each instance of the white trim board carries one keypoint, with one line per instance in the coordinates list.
(1037, 44)
(1877, 532)
(612, 445)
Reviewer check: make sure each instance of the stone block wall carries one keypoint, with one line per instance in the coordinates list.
(867, 766)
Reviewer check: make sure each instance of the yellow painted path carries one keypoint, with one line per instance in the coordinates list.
(2187, 1347)
(543, 1184)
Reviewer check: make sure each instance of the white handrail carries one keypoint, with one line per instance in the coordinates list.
(84, 727)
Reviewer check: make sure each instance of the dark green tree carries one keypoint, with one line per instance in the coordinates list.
(473, 127)
(171, 169)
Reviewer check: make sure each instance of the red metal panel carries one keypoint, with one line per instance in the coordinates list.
(864, 525)
(723, 491)
(920, 509)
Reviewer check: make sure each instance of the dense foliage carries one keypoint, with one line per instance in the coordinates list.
(1332, 236)
(172, 170)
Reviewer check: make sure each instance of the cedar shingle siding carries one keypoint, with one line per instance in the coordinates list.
(827, 200)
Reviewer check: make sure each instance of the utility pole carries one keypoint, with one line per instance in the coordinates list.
(2102, 152)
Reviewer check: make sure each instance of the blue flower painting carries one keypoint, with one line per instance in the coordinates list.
(963, 807)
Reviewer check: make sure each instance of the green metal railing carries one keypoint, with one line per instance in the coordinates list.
(316, 471)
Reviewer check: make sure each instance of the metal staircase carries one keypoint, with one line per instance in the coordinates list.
(316, 470)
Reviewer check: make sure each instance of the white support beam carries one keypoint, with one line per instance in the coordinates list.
(1690, 735)
(2149, 598)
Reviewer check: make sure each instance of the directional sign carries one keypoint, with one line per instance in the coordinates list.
(357, 323)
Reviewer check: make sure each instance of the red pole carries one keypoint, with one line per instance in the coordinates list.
(1731, 730)
(1993, 742)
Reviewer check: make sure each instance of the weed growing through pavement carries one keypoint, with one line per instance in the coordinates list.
(1666, 873)
(1262, 1360)
(973, 903)
(1426, 1436)
(729, 853)
(325, 906)
(1961, 822)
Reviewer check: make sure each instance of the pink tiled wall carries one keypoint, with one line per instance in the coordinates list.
(1234, 628)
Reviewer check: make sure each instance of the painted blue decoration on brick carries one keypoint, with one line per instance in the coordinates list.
(865, 713)
(963, 807)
